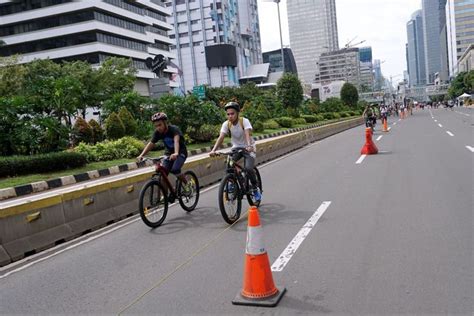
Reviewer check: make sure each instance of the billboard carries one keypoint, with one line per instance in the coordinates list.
(221, 55)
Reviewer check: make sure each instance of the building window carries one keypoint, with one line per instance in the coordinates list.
(183, 34)
(196, 32)
(161, 46)
(197, 43)
(46, 23)
(194, 22)
(127, 6)
(119, 22)
(49, 43)
(156, 15)
(119, 41)
(172, 36)
(22, 6)
(184, 45)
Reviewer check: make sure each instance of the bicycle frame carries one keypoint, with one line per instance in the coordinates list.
(233, 165)
(161, 172)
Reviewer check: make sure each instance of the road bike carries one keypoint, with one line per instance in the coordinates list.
(234, 186)
(158, 193)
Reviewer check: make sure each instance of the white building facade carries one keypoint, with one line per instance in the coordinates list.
(313, 31)
(202, 25)
(460, 31)
(92, 31)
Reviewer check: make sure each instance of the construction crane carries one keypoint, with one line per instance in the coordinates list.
(349, 45)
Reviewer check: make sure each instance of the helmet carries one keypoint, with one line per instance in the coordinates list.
(232, 105)
(159, 116)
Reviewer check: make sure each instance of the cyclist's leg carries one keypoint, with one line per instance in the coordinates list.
(249, 164)
(176, 167)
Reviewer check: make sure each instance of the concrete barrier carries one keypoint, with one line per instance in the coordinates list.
(34, 226)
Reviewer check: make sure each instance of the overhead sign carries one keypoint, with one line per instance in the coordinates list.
(200, 92)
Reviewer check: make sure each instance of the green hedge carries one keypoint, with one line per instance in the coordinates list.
(125, 147)
(258, 127)
(20, 165)
(310, 118)
(285, 121)
(271, 124)
(299, 121)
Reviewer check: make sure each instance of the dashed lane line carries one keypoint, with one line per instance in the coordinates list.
(296, 242)
(449, 133)
(359, 161)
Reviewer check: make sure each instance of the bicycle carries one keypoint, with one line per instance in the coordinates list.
(233, 187)
(154, 197)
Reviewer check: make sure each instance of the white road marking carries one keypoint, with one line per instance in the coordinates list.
(436, 121)
(290, 250)
(440, 125)
(389, 128)
(379, 138)
(470, 148)
(394, 123)
(449, 133)
(399, 120)
(359, 161)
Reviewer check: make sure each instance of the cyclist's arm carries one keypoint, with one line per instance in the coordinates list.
(147, 148)
(219, 141)
(176, 144)
(247, 137)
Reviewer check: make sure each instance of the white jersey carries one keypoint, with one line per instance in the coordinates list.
(238, 134)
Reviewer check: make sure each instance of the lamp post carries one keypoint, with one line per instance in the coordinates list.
(281, 35)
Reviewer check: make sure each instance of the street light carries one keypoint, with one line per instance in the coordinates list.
(281, 35)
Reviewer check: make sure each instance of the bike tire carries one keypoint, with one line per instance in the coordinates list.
(230, 183)
(260, 186)
(152, 196)
(190, 176)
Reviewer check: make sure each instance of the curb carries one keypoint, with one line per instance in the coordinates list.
(40, 186)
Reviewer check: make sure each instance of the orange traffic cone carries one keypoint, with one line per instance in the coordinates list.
(385, 125)
(258, 288)
(369, 147)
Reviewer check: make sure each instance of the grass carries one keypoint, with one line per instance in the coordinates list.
(20, 180)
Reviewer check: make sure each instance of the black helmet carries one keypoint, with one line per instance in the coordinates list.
(158, 117)
(232, 105)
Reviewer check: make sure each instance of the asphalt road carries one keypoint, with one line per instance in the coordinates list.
(397, 238)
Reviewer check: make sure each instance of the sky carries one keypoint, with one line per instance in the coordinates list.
(381, 23)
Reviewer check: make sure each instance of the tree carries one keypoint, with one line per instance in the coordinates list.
(97, 131)
(349, 95)
(116, 75)
(12, 76)
(82, 131)
(332, 105)
(290, 91)
(114, 128)
(128, 121)
(463, 83)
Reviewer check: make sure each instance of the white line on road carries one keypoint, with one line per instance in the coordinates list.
(440, 125)
(449, 133)
(290, 250)
(470, 148)
(399, 120)
(389, 128)
(394, 123)
(379, 138)
(436, 121)
(359, 161)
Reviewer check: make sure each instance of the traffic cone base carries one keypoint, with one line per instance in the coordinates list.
(271, 301)
(258, 287)
(369, 146)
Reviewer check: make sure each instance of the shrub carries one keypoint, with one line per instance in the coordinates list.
(82, 131)
(271, 124)
(285, 121)
(19, 165)
(129, 123)
(258, 127)
(289, 90)
(114, 127)
(336, 115)
(126, 147)
(204, 133)
(97, 131)
(328, 116)
(332, 105)
(310, 118)
(299, 121)
(320, 117)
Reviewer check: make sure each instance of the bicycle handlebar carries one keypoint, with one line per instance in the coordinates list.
(154, 159)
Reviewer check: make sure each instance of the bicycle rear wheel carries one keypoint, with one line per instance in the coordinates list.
(153, 204)
(250, 196)
(230, 202)
(188, 194)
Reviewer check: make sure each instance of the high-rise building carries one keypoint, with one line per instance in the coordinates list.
(431, 32)
(90, 30)
(460, 31)
(416, 50)
(274, 59)
(378, 77)
(215, 40)
(444, 72)
(340, 65)
(366, 69)
(313, 31)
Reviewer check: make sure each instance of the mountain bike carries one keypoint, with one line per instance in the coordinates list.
(157, 193)
(234, 186)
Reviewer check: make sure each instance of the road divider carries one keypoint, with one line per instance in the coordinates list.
(30, 225)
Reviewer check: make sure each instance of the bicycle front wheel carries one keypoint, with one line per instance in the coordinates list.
(153, 204)
(230, 202)
(189, 193)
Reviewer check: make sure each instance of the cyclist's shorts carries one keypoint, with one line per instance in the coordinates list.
(174, 167)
